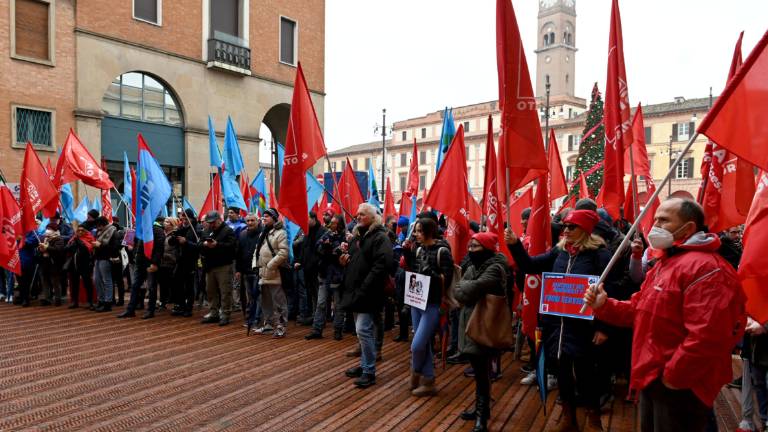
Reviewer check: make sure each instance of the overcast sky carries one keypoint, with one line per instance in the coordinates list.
(413, 57)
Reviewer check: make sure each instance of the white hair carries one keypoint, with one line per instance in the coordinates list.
(372, 211)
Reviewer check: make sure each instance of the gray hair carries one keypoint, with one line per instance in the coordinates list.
(372, 211)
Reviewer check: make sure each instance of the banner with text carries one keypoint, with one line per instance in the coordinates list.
(416, 290)
(563, 294)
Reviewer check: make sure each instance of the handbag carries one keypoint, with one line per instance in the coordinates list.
(490, 323)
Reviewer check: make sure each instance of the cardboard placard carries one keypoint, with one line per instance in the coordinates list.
(416, 290)
(563, 295)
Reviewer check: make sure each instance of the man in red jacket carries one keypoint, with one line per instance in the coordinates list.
(687, 317)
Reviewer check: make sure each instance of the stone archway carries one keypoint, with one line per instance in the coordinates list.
(276, 119)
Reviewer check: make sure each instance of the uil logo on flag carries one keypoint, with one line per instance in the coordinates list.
(146, 194)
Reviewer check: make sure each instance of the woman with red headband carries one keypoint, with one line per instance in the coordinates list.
(571, 341)
(486, 274)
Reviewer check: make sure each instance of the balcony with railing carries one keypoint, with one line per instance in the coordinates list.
(229, 53)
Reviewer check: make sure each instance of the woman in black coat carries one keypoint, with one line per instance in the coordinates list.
(486, 274)
(571, 341)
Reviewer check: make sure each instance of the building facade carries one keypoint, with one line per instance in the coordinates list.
(160, 68)
(667, 125)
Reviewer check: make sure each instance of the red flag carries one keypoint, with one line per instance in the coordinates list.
(75, 162)
(600, 198)
(212, 199)
(540, 240)
(106, 198)
(639, 152)
(10, 227)
(303, 147)
(618, 124)
(629, 202)
(728, 186)
(351, 196)
(583, 187)
(569, 203)
(516, 207)
(49, 169)
(413, 173)
(247, 191)
(389, 202)
(737, 120)
(273, 198)
(36, 189)
(753, 269)
(521, 133)
(405, 205)
(557, 186)
(53, 206)
(491, 207)
(450, 195)
(646, 223)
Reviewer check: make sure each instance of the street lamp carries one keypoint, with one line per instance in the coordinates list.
(546, 118)
(384, 131)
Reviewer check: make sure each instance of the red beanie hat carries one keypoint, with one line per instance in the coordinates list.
(487, 240)
(584, 219)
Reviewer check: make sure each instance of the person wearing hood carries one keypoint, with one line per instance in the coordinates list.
(105, 248)
(269, 257)
(687, 317)
(486, 274)
(51, 262)
(571, 342)
(432, 258)
(80, 250)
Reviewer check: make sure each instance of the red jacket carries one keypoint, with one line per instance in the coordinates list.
(687, 317)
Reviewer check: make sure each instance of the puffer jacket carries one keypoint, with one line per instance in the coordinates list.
(268, 263)
(577, 334)
(476, 282)
(424, 260)
(686, 319)
(369, 266)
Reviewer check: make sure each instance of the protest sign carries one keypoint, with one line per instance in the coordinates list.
(416, 290)
(563, 294)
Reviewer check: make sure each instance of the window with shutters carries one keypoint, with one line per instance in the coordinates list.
(682, 131)
(685, 169)
(570, 143)
(367, 163)
(422, 181)
(354, 164)
(148, 10)
(422, 157)
(423, 133)
(289, 38)
(648, 135)
(466, 127)
(32, 30)
(402, 183)
(403, 159)
(34, 125)
(405, 135)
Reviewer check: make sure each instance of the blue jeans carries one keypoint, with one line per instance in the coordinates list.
(425, 324)
(327, 292)
(103, 277)
(364, 329)
(760, 386)
(253, 291)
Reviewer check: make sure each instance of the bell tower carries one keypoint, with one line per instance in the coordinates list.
(556, 47)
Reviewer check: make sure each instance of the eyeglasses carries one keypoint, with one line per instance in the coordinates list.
(569, 227)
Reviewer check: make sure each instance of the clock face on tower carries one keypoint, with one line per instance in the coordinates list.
(547, 3)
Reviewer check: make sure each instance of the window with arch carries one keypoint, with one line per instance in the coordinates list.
(138, 96)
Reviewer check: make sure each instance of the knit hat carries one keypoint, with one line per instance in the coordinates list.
(584, 219)
(487, 240)
(190, 214)
(403, 221)
(272, 212)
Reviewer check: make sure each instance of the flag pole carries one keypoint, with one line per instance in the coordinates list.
(617, 255)
(127, 207)
(633, 184)
(336, 188)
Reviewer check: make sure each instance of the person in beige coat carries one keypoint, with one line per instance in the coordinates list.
(270, 256)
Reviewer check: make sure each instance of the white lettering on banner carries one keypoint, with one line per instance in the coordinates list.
(33, 196)
(526, 105)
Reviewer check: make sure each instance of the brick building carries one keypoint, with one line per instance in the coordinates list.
(159, 68)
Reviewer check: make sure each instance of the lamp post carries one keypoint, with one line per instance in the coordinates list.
(546, 117)
(384, 132)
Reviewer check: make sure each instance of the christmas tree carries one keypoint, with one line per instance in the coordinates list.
(592, 147)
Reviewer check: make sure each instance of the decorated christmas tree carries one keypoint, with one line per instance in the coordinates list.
(592, 146)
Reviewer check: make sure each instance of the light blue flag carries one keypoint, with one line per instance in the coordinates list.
(185, 203)
(41, 228)
(291, 231)
(314, 190)
(127, 181)
(233, 159)
(261, 197)
(373, 191)
(446, 136)
(96, 204)
(164, 212)
(153, 191)
(67, 201)
(81, 212)
(280, 157)
(213, 146)
(233, 197)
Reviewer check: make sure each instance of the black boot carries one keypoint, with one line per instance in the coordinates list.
(483, 411)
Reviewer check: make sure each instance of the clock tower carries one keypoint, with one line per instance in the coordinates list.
(556, 48)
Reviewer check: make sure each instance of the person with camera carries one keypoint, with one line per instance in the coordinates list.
(218, 253)
(187, 238)
(270, 256)
(329, 278)
(146, 271)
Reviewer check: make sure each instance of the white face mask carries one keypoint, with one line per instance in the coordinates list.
(660, 239)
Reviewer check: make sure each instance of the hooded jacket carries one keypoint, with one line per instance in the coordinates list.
(686, 319)
(369, 266)
(267, 262)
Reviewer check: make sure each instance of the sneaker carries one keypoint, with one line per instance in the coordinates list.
(457, 358)
(2, 297)
(279, 333)
(529, 379)
(745, 426)
(365, 380)
(264, 330)
(551, 382)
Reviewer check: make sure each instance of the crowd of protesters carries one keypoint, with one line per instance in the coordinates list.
(667, 317)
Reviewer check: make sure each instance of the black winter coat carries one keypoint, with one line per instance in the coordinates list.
(158, 248)
(440, 271)
(189, 252)
(246, 245)
(307, 253)
(367, 270)
(577, 333)
(328, 256)
(223, 253)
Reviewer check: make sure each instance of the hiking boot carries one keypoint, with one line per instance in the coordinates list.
(426, 387)
(127, 314)
(365, 380)
(313, 335)
(354, 352)
(354, 372)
